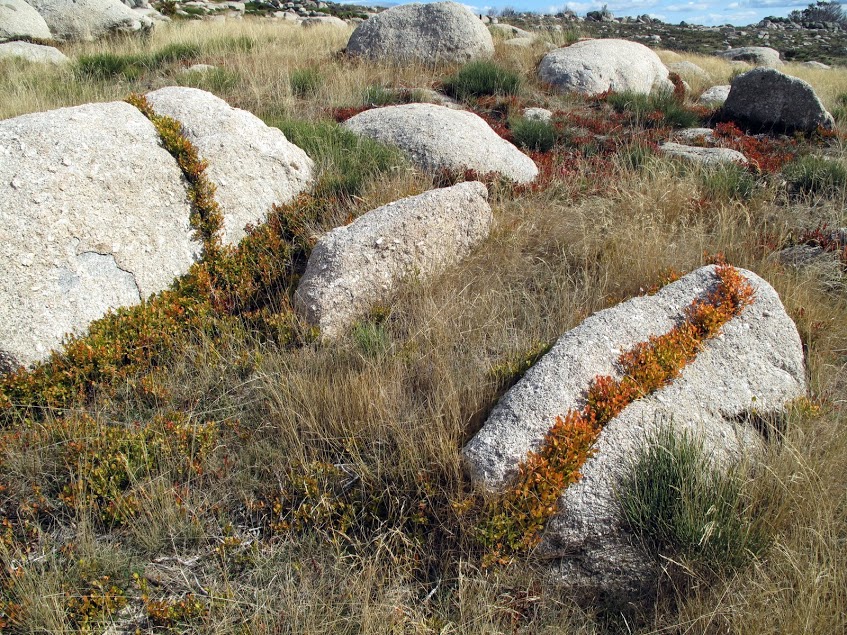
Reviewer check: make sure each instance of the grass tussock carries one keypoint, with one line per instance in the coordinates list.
(480, 79)
(683, 507)
(230, 474)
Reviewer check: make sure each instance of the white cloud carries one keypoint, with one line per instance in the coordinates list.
(688, 6)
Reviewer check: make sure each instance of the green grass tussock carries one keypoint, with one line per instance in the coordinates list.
(482, 78)
(538, 136)
(347, 162)
(661, 107)
(817, 175)
(681, 506)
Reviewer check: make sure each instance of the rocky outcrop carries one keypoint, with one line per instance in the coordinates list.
(591, 67)
(252, 165)
(705, 156)
(424, 33)
(764, 99)
(94, 215)
(18, 20)
(754, 366)
(758, 55)
(355, 266)
(440, 138)
(90, 19)
(35, 53)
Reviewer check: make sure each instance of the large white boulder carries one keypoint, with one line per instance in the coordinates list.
(754, 367)
(427, 33)
(591, 67)
(90, 19)
(94, 215)
(355, 266)
(764, 99)
(253, 165)
(436, 137)
(19, 20)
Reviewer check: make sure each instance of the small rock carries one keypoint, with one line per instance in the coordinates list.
(706, 156)
(714, 96)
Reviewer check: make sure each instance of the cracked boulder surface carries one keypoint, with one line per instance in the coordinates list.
(754, 367)
(252, 165)
(94, 215)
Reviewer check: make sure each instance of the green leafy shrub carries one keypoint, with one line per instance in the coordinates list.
(679, 504)
(533, 134)
(305, 81)
(727, 182)
(347, 161)
(480, 78)
(813, 174)
(658, 108)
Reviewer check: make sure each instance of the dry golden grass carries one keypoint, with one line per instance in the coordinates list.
(394, 401)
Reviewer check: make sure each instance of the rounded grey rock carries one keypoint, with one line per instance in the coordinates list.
(689, 71)
(705, 156)
(538, 114)
(253, 166)
(94, 215)
(436, 137)
(353, 267)
(326, 20)
(758, 55)
(19, 20)
(764, 99)
(591, 67)
(692, 134)
(427, 33)
(35, 53)
(90, 19)
(755, 366)
(509, 31)
(714, 96)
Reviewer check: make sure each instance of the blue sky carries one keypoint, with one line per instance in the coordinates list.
(739, 12)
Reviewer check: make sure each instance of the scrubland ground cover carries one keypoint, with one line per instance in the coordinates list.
(203, 465)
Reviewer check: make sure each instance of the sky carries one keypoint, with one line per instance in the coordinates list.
(739, 12)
